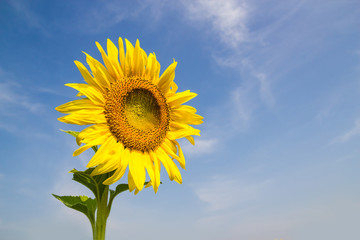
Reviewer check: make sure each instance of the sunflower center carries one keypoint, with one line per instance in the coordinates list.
(142, 110)
(137, 114)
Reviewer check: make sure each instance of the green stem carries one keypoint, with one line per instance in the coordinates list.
(101, 216)
(93, 231)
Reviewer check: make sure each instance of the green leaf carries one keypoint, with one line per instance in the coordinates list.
(122, 187)
(119, 189)
(82, 204)
(113, 193)
(87, 180)
(99, 179)
(94, 183)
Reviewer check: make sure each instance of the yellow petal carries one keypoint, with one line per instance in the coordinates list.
(150, 67)
(84, 117)
(119, 172)
(187, 108)
(173, 87)
(165, 159)
(175, 171)
(90, 133)
(92, 93)
(157, 168)
(138, 64)
(113, 55)
(122, 55)
(183, 116)
(129, 58)
(122, 162)
(167, 148)
(105, 167)
(131, 182)
(181, 97)
(101, 74)
(149, 166)
(156, 71)
(181, 159)
(170, 166)
(179, 130)
(113, 71)
(167, 78)
(144, 57)
(76, 105)
(137, 168)
(103, 151)
(112, 160)
(98, 141)
(88, 78)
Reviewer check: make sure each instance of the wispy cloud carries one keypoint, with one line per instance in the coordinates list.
(353, 132)
(61, 223)
(227, 18)
(259, 81)
(30, 17)
(12, 96)
(103, 15)
(202, 146)
(224, 192)
(241, 108)
(317, 219)
(230, 24)
(275, 39)
(265, 90)
(17, 105)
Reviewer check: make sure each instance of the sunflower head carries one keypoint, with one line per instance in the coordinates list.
(135, 114)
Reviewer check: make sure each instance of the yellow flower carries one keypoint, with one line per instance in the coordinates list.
(135, 115)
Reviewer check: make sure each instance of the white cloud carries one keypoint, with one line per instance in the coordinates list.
(61, 223)
(276, 38)
(11, 103)
(331, 218)
(229, 21)
(8, 127)
(16, 102)
(227, 18)
(265, 90)
(229, 61)
(241, 108)
(223, 192)
(263, 83)
(103, 15)
(353, 132)
(13, 96)
(202, 146)
(29, 16)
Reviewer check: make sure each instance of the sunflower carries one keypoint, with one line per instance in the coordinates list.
(135, 114)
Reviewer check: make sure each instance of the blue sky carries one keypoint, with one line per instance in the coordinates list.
(278, 84)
